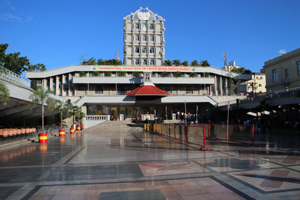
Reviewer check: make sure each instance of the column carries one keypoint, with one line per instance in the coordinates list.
(63, 80)
(51, 83)
(69, 84)
(216, 88)
(221, 86)
(57, 85)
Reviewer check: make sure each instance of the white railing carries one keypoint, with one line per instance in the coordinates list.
(97, 117)
(9, 75)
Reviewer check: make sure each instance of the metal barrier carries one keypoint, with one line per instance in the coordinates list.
(180, 133)
(231, 132)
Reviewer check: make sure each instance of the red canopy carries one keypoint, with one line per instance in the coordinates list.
(147, 90)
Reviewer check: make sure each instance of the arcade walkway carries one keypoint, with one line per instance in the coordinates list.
(114, 161)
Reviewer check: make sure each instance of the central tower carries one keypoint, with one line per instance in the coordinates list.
(144, 38)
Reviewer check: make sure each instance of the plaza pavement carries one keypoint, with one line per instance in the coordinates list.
(114, 161)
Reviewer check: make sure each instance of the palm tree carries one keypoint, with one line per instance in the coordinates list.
(4, 93)
(40, 95)
(74, 111)
(58, 106)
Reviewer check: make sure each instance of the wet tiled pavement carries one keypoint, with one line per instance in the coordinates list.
(114, 161)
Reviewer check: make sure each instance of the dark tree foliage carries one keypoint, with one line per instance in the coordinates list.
(185, 63)
(176, 62)
(194, 63)
(168, 63)
(17, 64)
(204, 63)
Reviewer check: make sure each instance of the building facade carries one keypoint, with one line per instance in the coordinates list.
(144, 41)
(102, 90)
(283, 72)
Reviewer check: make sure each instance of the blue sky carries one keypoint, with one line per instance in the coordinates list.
(57, 33)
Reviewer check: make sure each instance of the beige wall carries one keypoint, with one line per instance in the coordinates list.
(282, 63)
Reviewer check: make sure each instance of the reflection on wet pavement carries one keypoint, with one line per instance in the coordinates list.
(115, 161)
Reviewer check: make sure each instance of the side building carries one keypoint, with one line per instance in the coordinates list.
(283, 72)
(112, 90)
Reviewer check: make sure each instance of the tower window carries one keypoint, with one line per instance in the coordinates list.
(145, 62)
(137, 62)
(151, 26)
(137, 50)
(144, 50)
(152, 50)
(137, 26)
(152, 62)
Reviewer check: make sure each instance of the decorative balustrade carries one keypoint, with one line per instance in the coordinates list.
(98, 117)
(9, 75)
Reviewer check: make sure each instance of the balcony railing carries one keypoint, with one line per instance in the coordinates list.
(9, 75)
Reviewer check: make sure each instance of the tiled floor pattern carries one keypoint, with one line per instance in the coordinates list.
(126, 163)
(181, 189)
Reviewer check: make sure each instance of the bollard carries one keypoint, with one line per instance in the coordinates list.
(78, 128)
(72, 131)
(62, 133)
(43, 137)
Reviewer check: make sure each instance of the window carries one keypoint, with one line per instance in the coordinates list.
(152, 50)
(137, 26)
(98, 89)
(168, 89)
(298, 67)
(151, 26)
(261, 78)
(144, 50)
(137, 38)
(275, 75)
(122, 90)
(137, 50)
(259, 85)
(151, 62)
(287, 74)
(137, 62)
(152, 38)
(145, 62)
(144, 38)
(189, 89)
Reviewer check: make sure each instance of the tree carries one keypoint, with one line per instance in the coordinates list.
(58, 106)
(95, 73)
(204, 63)
(238, 70)
(206, 74)
(194, 63)
(91, 61)
(176, 62)
(165, 74)
(137, 74)
(185, 63)
(178, 74)
(40, 95)
(193, 74)
(122, 73)
(100, 62)
(4, 93)
(36, 68)
(108, 74)
(168, 63)
(17, 64)
(82, 74)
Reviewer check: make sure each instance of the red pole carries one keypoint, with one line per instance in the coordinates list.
(175, 132)
(161, 130)
(167, 129)
(227, 132)
(253, 134)
(186, 134)
(204, 139)
(208, 130)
